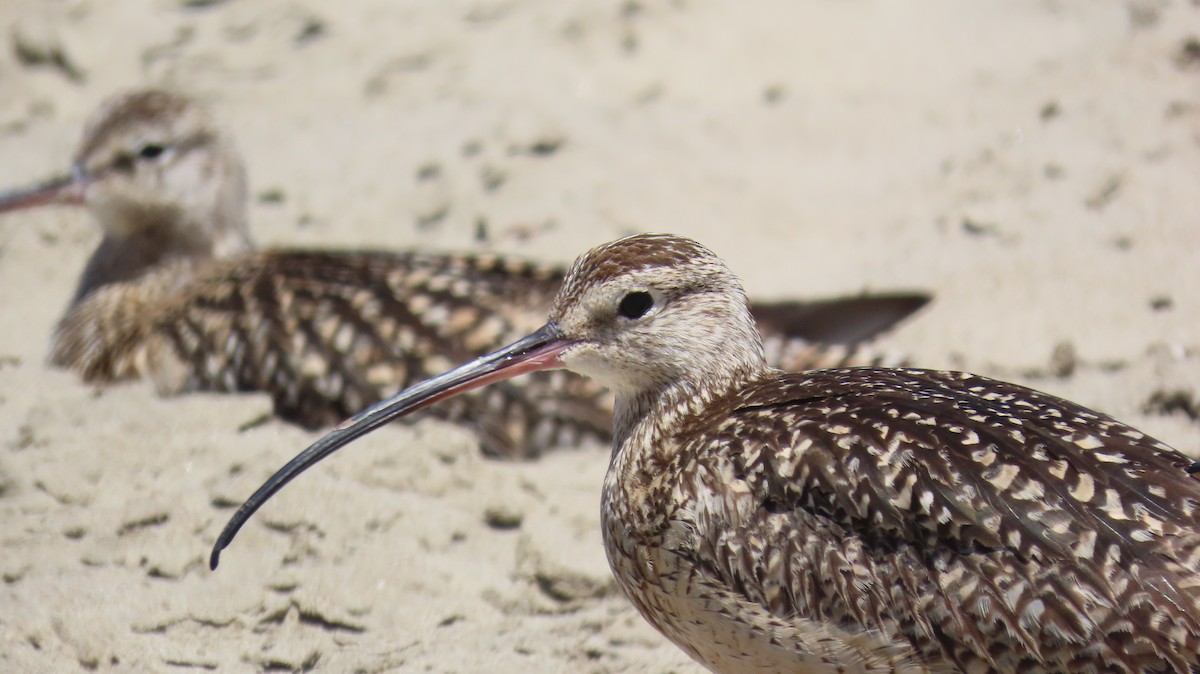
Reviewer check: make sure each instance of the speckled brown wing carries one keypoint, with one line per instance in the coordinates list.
(982, 522)
(329, 333)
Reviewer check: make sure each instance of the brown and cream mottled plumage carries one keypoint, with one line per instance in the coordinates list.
(849, 520)
(176, 292)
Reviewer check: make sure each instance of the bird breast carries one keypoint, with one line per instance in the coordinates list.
(654, 522)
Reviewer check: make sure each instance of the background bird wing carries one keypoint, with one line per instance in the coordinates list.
(843, 320)
(810, 334)
(959, 512)
(329, 333)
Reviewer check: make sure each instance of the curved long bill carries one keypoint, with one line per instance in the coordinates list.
(66, 189)
(538, 351)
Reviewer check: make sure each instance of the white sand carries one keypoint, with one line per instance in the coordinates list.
(1034, 163)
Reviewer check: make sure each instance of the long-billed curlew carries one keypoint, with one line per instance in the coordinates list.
(848, 520)
(176, 292)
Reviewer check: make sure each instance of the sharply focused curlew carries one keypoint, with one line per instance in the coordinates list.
(848, 520)
(176, 292)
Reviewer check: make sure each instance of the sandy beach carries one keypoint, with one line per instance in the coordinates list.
(1032, 163)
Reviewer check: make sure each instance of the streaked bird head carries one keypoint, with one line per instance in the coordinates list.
(156, 171)
(640, 315)
(647, 311)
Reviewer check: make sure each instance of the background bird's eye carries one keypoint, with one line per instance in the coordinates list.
(635, 304)
(151, 151)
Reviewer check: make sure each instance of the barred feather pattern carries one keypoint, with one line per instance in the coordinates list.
(941, 521)
(327, 334)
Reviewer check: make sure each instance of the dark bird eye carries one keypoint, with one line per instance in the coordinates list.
(635, 304)
(151, 151)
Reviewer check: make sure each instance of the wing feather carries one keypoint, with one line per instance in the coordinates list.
(987, 524)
